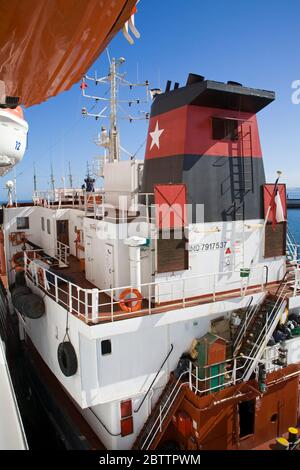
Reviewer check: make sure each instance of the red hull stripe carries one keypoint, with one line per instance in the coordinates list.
(187, 131)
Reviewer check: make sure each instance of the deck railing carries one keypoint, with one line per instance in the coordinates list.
(94, 305)
(62, 252)
(98, 202)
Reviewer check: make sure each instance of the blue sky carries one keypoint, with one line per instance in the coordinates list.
(255, 43)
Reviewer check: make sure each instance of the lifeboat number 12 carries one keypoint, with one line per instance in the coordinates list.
(18, 145)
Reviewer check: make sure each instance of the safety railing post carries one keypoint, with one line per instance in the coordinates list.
(234, 372)
(70, 297)
(56, 289)
(95, 305)
(86, 305)
(160, 418)
(112, 305)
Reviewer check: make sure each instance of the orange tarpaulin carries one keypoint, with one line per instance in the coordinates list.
(47, 45)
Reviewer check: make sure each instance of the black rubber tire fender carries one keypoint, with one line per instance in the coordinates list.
(67, 358)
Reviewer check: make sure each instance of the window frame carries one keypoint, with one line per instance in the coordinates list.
(22, 226)
(228, 137)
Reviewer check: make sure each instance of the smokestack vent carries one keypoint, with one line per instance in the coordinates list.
(194, 78)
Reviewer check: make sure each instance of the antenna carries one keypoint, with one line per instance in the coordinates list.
(34, 179)
(52, 180)
(70, 176)
(112, 106)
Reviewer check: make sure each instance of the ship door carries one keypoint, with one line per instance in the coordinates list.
(108, 266)
(89, 259)
(246, 410)
(62, 231)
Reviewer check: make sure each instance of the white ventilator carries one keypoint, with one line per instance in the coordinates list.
(13, 138)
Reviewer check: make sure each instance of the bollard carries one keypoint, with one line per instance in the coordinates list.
(281, 444)
(293, 434)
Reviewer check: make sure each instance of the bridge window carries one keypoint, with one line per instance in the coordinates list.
(48, 227)
(22, 223)
(43, 224)
(224, 129)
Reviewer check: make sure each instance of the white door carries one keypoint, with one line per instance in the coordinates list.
(108, 266)
(89, 259)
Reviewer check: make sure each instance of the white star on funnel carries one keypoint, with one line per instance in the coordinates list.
(155, 135)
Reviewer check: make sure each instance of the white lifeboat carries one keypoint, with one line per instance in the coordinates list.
(13, 138)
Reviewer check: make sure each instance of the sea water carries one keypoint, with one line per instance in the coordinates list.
(294, 214)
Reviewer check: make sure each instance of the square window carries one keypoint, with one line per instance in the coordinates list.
(48, 227)
(224, 129)
(126, 408)
(43, 223)
(22, 223)
(106, 347)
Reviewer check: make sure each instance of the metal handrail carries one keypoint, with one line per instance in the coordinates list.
(95, 306)
(177, 386)
(153, 381)
(264, 335)
(62, 251)
(245, 324)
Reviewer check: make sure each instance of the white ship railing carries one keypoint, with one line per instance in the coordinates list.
(62, 252)
(95, 304)
(96, 203)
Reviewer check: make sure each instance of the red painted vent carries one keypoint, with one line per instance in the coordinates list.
(170, 201)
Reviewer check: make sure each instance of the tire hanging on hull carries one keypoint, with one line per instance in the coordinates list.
(67, 358)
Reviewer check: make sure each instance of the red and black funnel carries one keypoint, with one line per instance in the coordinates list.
(205, 135)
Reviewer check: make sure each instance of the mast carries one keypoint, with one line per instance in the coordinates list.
(70, 176)
(110, 140)
(52, 180)
(114, 153)
(34, 179)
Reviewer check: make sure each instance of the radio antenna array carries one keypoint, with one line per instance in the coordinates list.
(113, 108)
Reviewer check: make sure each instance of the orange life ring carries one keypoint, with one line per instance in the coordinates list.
(40, 274)
(17, 261)
(130, 304)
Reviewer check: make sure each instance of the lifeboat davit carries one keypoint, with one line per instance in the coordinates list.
(13, 138)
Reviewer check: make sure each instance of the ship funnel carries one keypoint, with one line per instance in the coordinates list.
(205, 136)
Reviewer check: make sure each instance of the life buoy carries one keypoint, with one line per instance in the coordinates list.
(67, 358)
(132, 303)
(17, 261)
